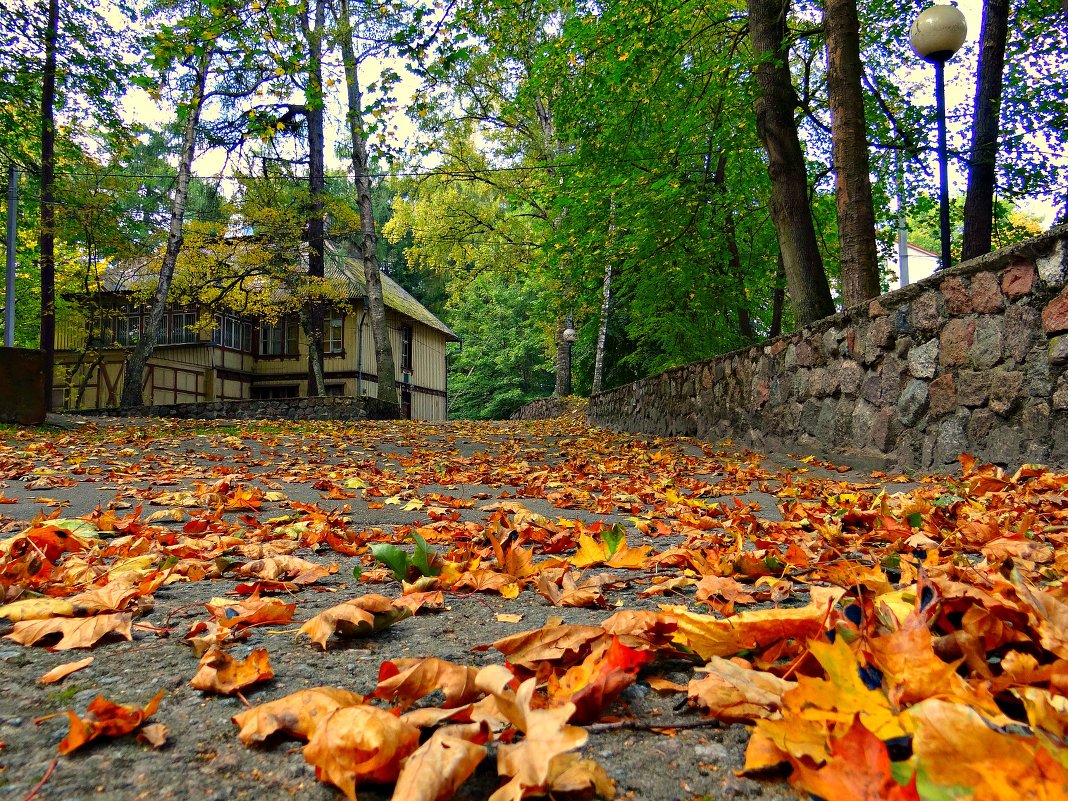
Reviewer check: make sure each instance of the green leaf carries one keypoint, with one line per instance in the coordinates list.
(915, 519)
(393, 557)
(613, 537)
(423, 556)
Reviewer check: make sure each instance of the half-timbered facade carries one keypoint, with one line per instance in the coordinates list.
(241, 356)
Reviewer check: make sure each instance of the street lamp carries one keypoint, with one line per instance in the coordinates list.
(568, 336)
(936, 34)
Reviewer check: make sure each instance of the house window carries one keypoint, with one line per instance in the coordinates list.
(122, 327)
(183, 328)
(279, 339)
(232, 333)
(333, 334)
(335, 390)
(406, 348)
(272, 393)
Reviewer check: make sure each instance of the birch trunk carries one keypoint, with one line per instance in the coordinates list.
(602, 331)
(312, 319)
(133, 376)
(384, 363)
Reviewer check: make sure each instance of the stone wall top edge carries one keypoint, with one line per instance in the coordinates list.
(1036, 247)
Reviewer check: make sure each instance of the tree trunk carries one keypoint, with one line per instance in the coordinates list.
(982, 179)
(602, 330)
(810, 294)
(47, 238)
(778, 300)
(313, 319)
(384, 363)
(133, 377)
(849, 153)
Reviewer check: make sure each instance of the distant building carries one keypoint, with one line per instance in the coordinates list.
(921, 264)
(243, 356)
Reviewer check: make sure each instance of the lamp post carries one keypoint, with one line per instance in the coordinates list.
(569, 335)
(936, 34)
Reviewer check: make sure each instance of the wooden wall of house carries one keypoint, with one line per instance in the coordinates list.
(174, 374)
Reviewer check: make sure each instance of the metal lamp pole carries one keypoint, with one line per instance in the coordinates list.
(937, 33)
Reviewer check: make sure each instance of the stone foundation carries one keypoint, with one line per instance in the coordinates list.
(324, 408)
(973, 359)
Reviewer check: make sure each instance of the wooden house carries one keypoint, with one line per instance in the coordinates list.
(245, 356)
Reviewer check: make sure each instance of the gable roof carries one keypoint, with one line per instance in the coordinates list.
(126, 275)
(396, 297)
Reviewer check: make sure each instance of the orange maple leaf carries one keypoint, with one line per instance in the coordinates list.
(106, 719)
(218, 672)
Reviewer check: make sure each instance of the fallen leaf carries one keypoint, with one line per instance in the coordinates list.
(62, 671)
(359, 743)
(297, 714)
(76, 632)
(737, 695)
(405, 681)
(105, 718)
(154, 734)
(357, 617)
(218, 672)
(439, 766)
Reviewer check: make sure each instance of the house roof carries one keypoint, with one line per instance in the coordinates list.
(396, 297)
(126, 275)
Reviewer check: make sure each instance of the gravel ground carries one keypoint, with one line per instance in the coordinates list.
(557, 469)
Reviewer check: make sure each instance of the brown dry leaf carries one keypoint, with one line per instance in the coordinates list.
(561, 644)
(357, 617)
(504, 617)
(709, 636)
(360, 743)
(77, 632)
(561, 587)
(286, 568)
(405, 681)
(105, 718)
(573, 776)
(528, 763)
(484, 579)
(664, 586)
(218, 672)
(735, 694)
(154, 734)
(253, 611)
(441, 764)
(62, 671)
(297, 714)
(722, 593)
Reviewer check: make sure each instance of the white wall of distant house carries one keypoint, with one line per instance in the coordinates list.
(921, 264)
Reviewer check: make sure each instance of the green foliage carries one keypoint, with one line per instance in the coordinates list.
(408, 566)
(502, 361)
(1010, 224)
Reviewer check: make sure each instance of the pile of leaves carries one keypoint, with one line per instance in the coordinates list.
(908, 645)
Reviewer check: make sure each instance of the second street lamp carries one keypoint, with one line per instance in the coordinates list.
(936, 34)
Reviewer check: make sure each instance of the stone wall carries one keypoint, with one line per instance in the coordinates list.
(326, 408)
(550, 408)
(973, 359)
